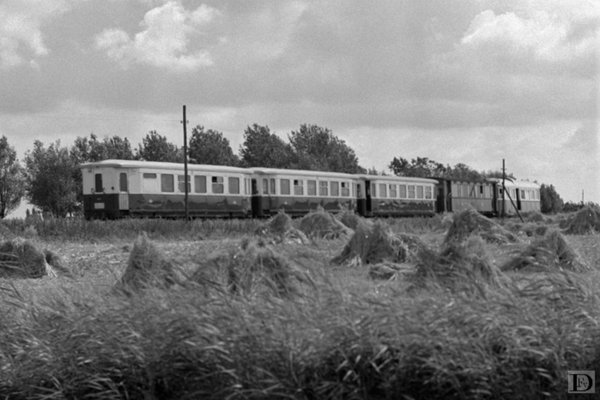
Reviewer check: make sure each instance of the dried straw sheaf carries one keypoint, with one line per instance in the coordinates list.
(469, 222)
(147, 267)
(351, 219)
(19, 258)
(279, 229)
(375, 243)
(548, 253)
(254, 268)
(458, 265)
(323, 225)
(585, 221)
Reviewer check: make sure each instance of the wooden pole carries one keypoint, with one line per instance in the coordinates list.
(185, 165)
(503, 188)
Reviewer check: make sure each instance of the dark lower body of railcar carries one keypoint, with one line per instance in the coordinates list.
(483, 206)
(113, 206)
(397, 208)
(296, 206)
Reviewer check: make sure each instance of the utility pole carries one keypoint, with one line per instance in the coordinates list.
(503, 188)
(185, 165)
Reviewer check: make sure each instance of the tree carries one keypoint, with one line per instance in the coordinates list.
(92, 149)
(422, 167)
(210, 147)
(155, 147)
(12, 179)
(50, 184)
(550, 201)
(463, 172)
(317, 148)
(262, 148)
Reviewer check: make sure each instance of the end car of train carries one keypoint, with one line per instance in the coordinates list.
(120, 188)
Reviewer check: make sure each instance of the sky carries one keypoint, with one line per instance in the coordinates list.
(456, 81)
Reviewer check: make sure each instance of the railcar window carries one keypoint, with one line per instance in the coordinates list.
(123, 181)
(428, 192)
(167, 183)
(217, 184)
(420, 192)
(181, 183)
(393, 191)
(382, 190)
(353, 189)
(150, 183)
(284, 184)
(265, 186)
(323, 188)
(234, 185)
(200, 184)
(358, 190)
(98, 186)
(311, 188)
(402, 191)
(298, 187)
(411, 191)
(345, 189)
(272, 186)
(373, 190)
(335, 188)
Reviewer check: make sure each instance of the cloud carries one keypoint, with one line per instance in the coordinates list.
(527, 39)
(165, 41)
(21, 38)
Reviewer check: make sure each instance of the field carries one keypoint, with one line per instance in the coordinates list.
(438, 308)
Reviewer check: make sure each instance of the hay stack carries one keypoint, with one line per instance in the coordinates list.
(279, 229)
(323, 225)
(545, 254)
(252, 268)
(351, 220)
(19, 258)
(375, 243)
(535, 216)
(458, 265)
(469, 222)
(585, 221)
(147, 266)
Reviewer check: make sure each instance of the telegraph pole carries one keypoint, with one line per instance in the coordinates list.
(185, 164)
(503, 188)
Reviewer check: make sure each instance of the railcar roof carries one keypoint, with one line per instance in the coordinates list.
(296, 172)
(394, 178)
(517, 184)
(163, 165)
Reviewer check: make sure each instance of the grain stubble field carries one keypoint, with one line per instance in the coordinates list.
(343, 336)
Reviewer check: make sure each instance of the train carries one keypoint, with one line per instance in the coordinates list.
(128, 188)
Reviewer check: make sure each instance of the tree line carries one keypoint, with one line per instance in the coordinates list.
(50, 178)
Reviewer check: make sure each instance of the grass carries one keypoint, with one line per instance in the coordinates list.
(343, 336)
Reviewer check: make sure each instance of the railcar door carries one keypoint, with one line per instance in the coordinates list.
(256, 203)
(123, 192)
(368, 197)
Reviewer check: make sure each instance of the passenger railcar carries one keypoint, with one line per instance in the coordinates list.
(394, 196)
(521, 196)
(118, 188)
(298, 192)
(458, 195)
